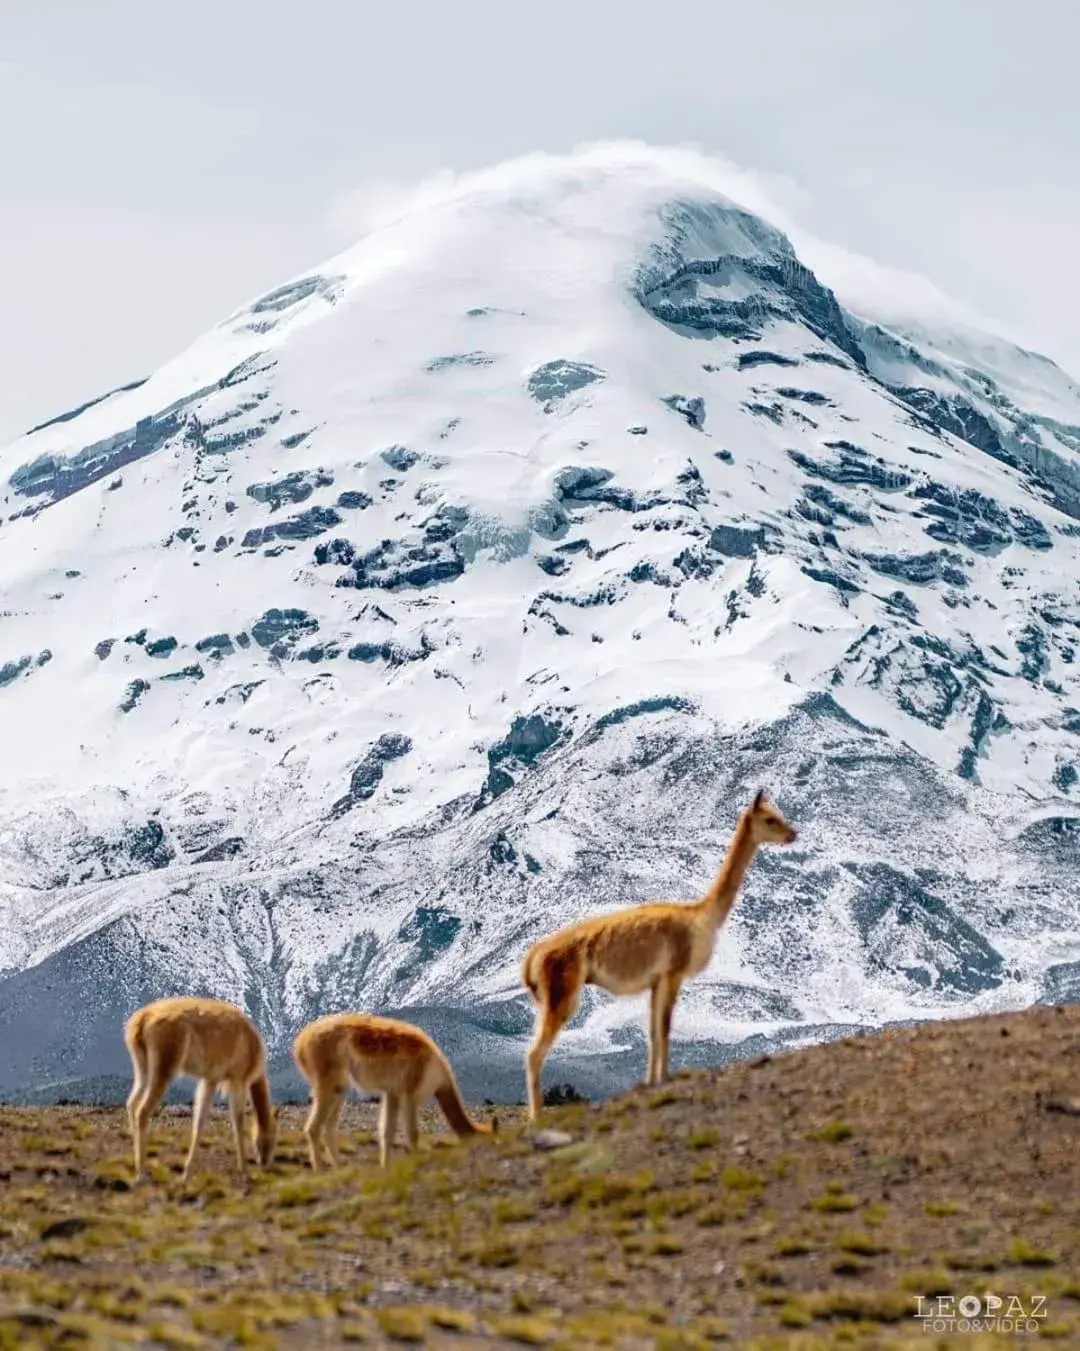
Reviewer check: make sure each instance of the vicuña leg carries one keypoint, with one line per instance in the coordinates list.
(322, 1105)
(330, 1139)
(557, 1004)
(237, 1103)
(160, 1069)
(667, 994)
(388, 1119)
(652, 1069)
(411, 1113)
(138, 1063)
(204, 1097)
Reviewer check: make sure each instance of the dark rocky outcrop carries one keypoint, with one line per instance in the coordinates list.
(460, 359)
(285, 297)
(736, 541)
(394, 563)
(852, 465)
(368, 774)
(691, 409)
(527, 740)
(135, 692)
(399, 458)
(970, 518)
(921, 569)
(216, 646)
(907, 927)
(719, 271)
(305, 525)
(762, 357)
(160, 647)
(295, 487)
(551, 383)
(283, 627)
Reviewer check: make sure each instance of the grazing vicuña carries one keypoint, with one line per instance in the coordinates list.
(378, 1055)
(214, 1042)
(647, 947)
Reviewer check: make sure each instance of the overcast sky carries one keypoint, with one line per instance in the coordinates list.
(159, 166)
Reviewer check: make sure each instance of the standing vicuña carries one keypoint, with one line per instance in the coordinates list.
(648, 947)
(378, 1055)
(213, 1042)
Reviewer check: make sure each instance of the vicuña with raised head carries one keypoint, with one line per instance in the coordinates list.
(651, 947)
(217, 1044)
(378, 1055)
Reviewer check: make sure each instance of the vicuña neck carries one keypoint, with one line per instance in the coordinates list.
(720, 897)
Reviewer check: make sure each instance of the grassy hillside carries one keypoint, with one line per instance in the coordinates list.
(800, 1201)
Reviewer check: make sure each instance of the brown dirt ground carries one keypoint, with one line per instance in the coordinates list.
(803, 1201)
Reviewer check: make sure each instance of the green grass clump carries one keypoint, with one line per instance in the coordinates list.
(832, 1133)
(1024, 1254)
(702, 1137)
(833, 1202)
(298, 1192)
(863, 1245)
(496, 1254)
(404, 1324)
(741, 1179)
(452, 1320)
(859, 1306)
(526, 1329)
(513, 1210)
(794, 1315)
(940, 1209)
(930, 1281)
(725, 1211)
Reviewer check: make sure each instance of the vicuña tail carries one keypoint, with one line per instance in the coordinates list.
(459, 1121)
(528, 976)
(135, 1034)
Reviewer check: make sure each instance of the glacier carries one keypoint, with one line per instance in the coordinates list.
(473, 582)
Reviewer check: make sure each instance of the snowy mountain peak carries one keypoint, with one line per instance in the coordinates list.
(472, 580)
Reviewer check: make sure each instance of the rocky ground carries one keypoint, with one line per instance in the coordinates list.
(806, 1200)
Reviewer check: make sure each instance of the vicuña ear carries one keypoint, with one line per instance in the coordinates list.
(759, 799)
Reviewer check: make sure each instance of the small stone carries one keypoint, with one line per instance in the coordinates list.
(718, 1268)
(740, 1140)
(550, 1139)
(1066, 1106)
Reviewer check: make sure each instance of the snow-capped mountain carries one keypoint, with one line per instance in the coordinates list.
(474, 581)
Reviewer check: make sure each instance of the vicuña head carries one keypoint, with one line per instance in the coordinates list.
(653, 947)
(766, 822)
(264, 1136)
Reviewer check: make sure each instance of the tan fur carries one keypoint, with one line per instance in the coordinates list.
(651, 947)
(378, 1055)
(215, 1043)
